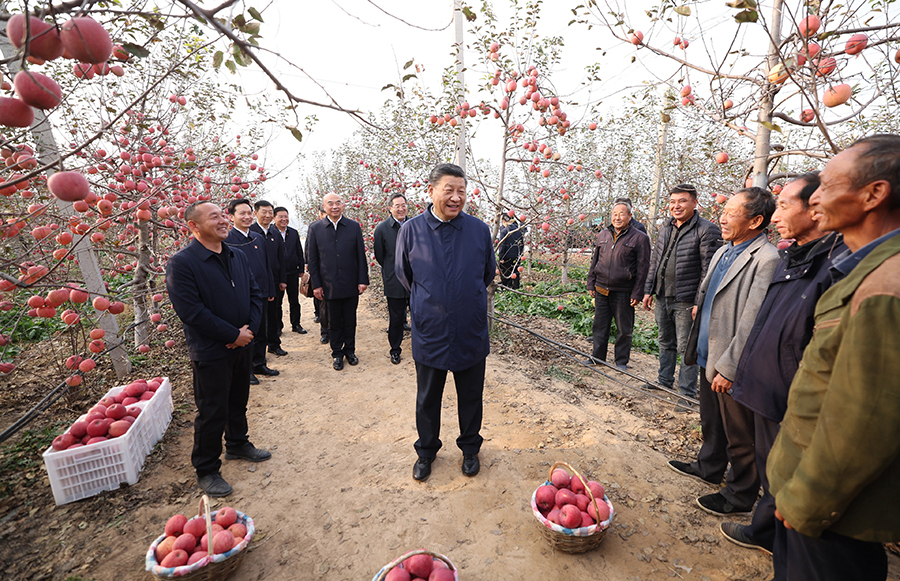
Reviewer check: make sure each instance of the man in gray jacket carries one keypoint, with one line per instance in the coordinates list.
(727, 304)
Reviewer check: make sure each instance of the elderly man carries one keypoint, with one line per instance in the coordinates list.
(445, 259)
(215, 295)
(616, 281)
(397, 296)
(728, 300)
(684, 247)
(294, 265)
(338, 274)
(783, 327)
(835, 466)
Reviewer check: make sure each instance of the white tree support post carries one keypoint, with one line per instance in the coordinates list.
(767, 105)
(460, 73)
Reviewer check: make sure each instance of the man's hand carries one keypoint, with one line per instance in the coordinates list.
(362, 288)
(720, 384)
(648, 302)
(244, 338)
(593, 293)
(282, 286)
(319, 293)
(780, 517)
(270, 299)
(634, 302)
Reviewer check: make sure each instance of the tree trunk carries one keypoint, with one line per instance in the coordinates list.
(766, 105)
(141, 288)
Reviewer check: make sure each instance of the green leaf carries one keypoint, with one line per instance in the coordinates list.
(408, 64)
(295, 132)
(743, 4)
(683, 10)
(771, 126)
(255, 14)
(238, 21)
(408, 77)
(746, 16)
(218, 58)
(230, 66)
(666, 118)
(388, 86)
(136, 49)
(251, 28)
(467, 12)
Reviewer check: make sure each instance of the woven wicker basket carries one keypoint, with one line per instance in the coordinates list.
(212, 568)
(384, 570)
(572, 540)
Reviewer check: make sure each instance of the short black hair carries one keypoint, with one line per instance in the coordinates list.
(237, 202)
(758, 202)
(281, 209)
(446, 169)
(684, 188)
(191, 210)
(879, 161)
(394, 197)
(811, 181)
(262, 204)
(506, 217)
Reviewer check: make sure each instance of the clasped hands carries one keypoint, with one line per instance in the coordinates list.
(244, 338)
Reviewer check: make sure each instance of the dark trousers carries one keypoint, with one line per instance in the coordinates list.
(221, 391)
(507, 269)
(762, 528)
(606, 308)
(273, 315)
(342, 325)
(712, 460)
(831, 557)
(260, 338)
(293, 295)
(322, 313)
(396, 320)
(430, 391)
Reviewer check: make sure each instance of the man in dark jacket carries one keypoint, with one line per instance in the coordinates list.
(338, 274)
(775, 345)
(634, 223)
(253, 245)
(445, 258)
(509, 251)
(397, 296)
(215, 295)
(616, 281)
(265, 215)
(319, 306)
(294, 265)
(684, 247)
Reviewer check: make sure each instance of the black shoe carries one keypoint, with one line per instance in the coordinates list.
(248, 452)
(406, 327)
(650, 387)
(263, 370)
(589, 362)
(316, 320)
(395, 358)
(684, 407)
(323, 339)
(717, 504)
(422, 468)
(338, 363)
(470, 465)
(739, 535)
(214, 485)
(278, 351)
(253, 380)
(299, 330)
(352, 359)
(686, 469)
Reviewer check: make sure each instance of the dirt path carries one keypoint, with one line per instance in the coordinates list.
(337, 501)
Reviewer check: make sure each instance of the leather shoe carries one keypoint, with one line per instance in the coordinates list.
(316, 320)
(248, 452)
(352, 359)
(253, 380)
(323, 339)
(470, 465)
(395, 358)
(338, 363)
(300, 330)
(406, 327)
(214, 485)
(422, 468)
(278, 351)
(263, 370)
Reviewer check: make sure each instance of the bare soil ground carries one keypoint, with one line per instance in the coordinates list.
(337, 500)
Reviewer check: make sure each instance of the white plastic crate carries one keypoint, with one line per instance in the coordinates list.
(83, 472)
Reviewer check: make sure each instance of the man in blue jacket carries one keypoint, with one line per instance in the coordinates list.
(215, 295)
(445, 259)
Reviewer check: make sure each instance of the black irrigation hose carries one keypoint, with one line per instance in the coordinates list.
(562, 348)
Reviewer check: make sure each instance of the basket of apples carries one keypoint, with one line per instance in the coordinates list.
(208, 547)
(573, 513)
(418, 564)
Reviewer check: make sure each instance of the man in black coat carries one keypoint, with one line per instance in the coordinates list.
(253, 245)
(215, 295)
(397, 296)
(294, 265)
(265, 215)
(338, 274)
(509, 251)
(634, 223)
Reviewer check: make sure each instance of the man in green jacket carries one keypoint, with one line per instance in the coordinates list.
(835, 467)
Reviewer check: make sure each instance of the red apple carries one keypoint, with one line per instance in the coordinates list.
(86, 40)
(37, 90)
(15, 113)
(570, 516)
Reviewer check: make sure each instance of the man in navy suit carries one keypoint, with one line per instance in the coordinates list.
(338, 274)
(294, 265)
(265, 215)
(254, 248)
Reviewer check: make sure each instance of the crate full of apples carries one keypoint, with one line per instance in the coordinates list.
(419, 564)
(107, 446)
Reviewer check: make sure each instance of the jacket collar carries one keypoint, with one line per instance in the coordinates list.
(797, 260)
(843, 290)
(433, 222)
(741, 261)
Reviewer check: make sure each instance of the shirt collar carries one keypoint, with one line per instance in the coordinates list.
(434, 221)
(265, 229)
(846, 261)
(398, 221)
(246, 233)
(335, 224)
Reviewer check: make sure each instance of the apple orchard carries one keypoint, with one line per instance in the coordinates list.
(115, 120)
